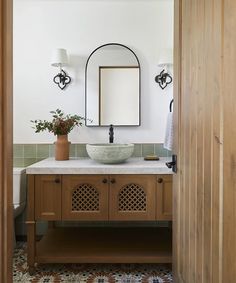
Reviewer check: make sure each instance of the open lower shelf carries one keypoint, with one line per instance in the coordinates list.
(105, 245)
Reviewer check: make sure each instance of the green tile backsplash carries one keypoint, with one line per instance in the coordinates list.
(147, 149)
(18, 151)
(137, 150)
(81, 150)
(42, 150)
(30, 151)
(27, 154)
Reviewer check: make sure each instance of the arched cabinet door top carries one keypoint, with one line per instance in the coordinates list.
(85, 197)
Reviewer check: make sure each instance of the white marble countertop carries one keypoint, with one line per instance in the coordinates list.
(88, 166)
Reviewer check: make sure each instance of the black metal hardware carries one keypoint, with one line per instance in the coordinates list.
(57, 180)
(173, 163)
(163, 79)
(62, 79)
(104, 181)
(171, 104)
(113, 181)
(159, 180)
(86, 88)
(111, 134)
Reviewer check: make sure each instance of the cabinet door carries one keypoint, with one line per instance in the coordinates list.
(164, 197)
(48, 197)
(132, 197)
(85, 197)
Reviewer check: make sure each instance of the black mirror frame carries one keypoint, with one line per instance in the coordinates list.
(87, 62)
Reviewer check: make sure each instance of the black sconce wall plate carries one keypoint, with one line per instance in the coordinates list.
(163, 79)
(62, 79)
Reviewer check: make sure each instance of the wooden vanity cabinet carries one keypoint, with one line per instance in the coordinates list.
(132, 197)
(85, 197)
(103, 197)
(95, 198)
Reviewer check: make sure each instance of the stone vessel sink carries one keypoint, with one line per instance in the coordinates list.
(109, 153)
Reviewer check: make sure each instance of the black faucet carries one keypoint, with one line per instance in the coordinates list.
(111, 134)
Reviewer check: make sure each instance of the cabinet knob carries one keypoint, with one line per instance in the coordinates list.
(113, 181)
(160, 180)
(57, 180)
(104, 181)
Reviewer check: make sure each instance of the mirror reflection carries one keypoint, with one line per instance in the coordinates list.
(113, 86)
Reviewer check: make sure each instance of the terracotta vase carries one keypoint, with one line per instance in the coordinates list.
(62, 147)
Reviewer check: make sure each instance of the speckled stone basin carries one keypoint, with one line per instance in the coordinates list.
(110, 153)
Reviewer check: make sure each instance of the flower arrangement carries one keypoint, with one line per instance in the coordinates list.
(61, 124)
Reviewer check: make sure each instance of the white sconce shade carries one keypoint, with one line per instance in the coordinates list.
(59, 58)
(166, 57)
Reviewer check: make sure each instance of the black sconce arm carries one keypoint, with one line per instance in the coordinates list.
(163, 79)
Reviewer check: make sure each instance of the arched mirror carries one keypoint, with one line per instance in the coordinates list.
(112, 86)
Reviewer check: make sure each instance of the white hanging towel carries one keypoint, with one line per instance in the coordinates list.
(168, 144)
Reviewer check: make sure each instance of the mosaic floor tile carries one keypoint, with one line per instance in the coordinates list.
(87, 273)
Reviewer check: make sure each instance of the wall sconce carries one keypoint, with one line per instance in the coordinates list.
(165, 61)
(60, 59)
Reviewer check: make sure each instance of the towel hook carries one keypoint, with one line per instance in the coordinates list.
(171, 104)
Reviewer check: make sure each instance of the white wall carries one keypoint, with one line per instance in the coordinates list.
(146, 26)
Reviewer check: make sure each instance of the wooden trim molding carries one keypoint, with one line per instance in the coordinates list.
(6, 142)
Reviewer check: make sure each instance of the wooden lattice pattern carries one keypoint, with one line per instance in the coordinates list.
(85, 198)
(132, 197)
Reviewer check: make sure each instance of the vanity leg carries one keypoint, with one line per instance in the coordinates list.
(31, 245)
(31, 270)
(31, 226)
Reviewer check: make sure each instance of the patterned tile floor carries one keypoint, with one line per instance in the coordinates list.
(87, 273)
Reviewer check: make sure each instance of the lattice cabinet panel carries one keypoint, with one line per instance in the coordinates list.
(85, 197)
(132, 197)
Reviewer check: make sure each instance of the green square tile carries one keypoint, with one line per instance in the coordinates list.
(137, 150)
(30, 150)
(42, 150)
(160, 150)
(169, 153)
(29, 161)
(81, 150)
(51, 150)
(147, 149)
(73, 148)
(18, 150)
(18, 162)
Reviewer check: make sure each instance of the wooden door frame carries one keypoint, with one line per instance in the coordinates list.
(6, 140)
